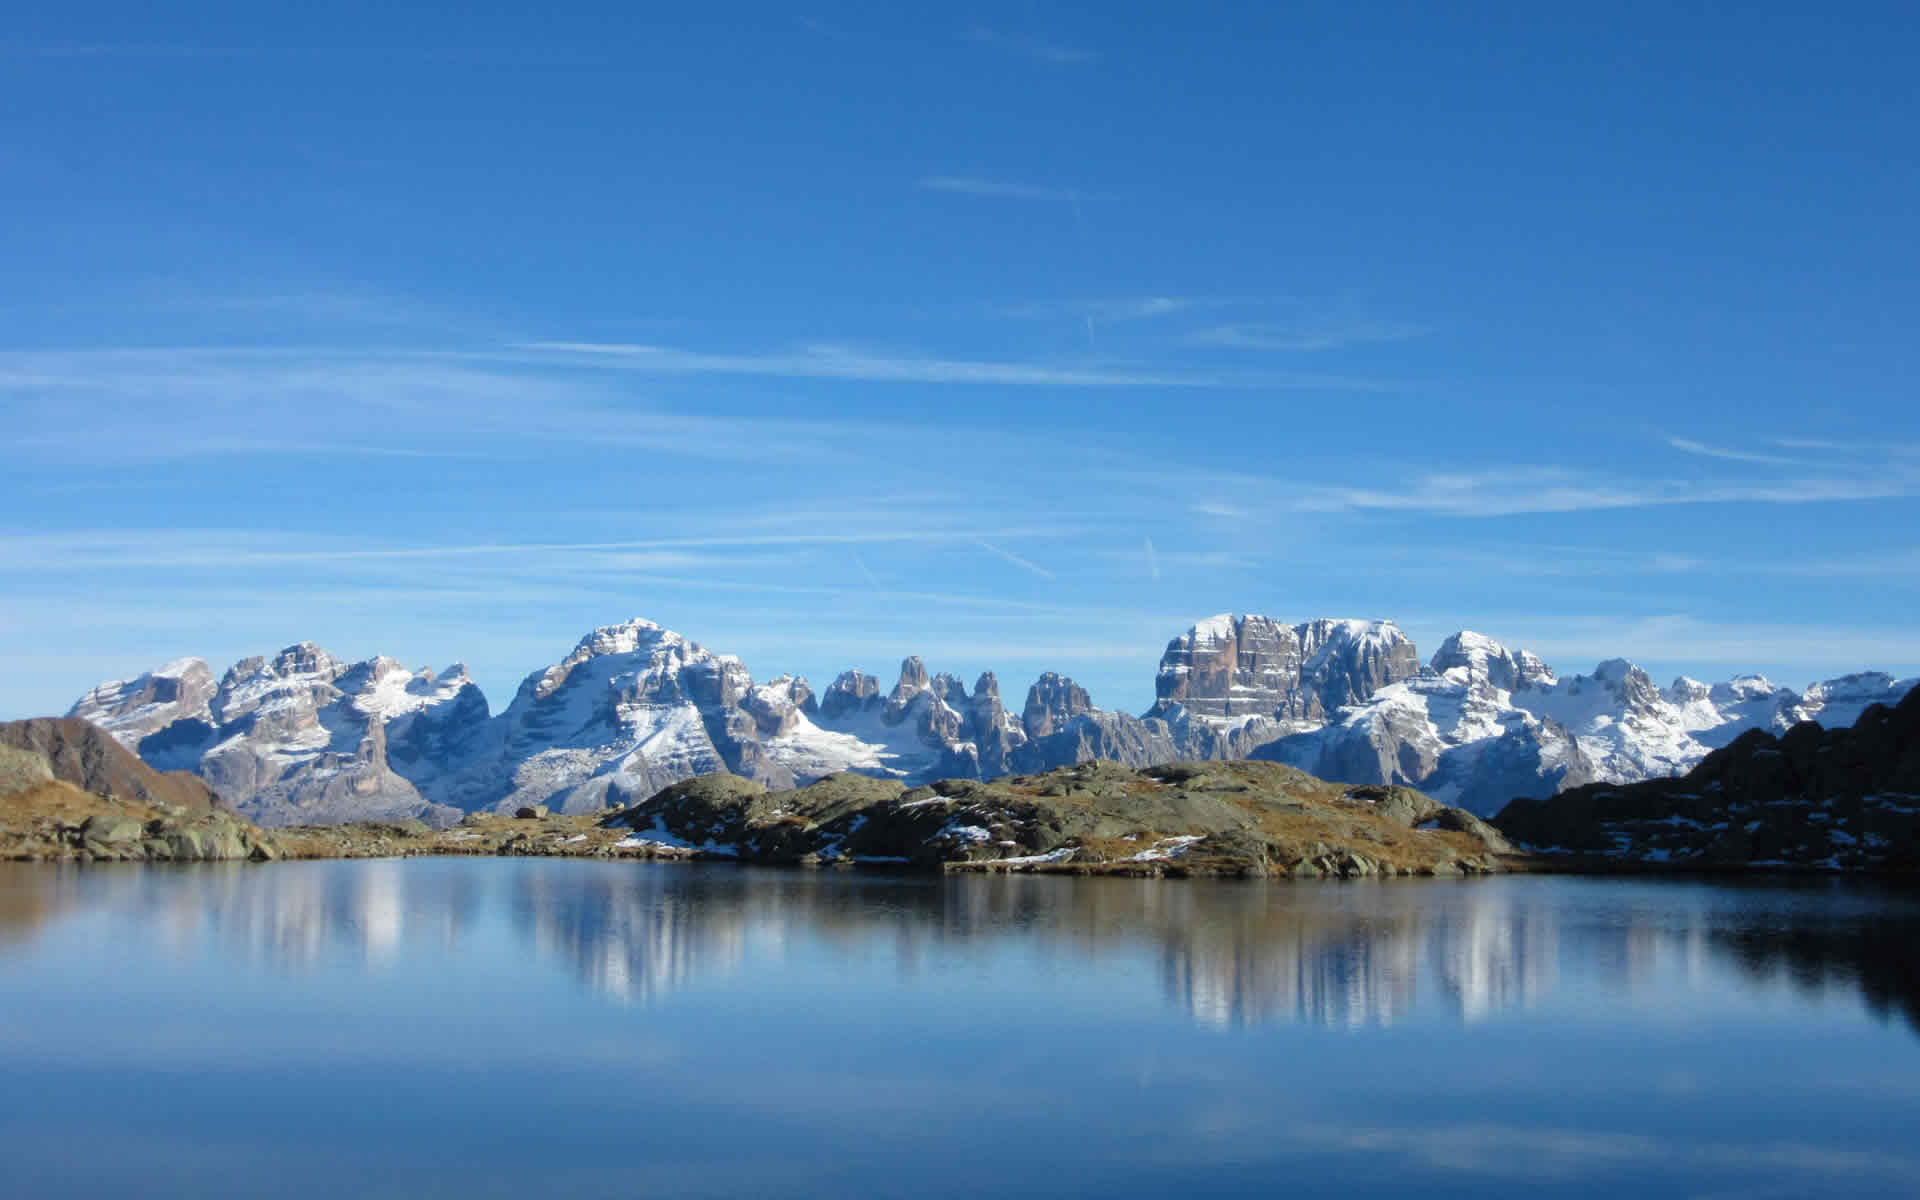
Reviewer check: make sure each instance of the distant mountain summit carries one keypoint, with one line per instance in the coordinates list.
(302, 737)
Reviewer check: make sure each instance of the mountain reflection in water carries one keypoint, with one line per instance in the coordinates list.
(1352, 955)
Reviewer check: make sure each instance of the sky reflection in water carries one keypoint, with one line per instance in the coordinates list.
(493, 1026)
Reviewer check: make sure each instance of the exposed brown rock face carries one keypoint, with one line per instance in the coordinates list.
(1252, 666)
(90, 759)
(913, 681)
(1052, 701)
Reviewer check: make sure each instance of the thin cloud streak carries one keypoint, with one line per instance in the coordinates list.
(829, 362)
(1507, 493)
(1689, 446)
(1109, 311)
(1015, 559)
(1153, 562)
(96, 551)
(1304, 338)
(1038, 49)
(976, 185)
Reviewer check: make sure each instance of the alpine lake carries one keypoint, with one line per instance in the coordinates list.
(526, 1027)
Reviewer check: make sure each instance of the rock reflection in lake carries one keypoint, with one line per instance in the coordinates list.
(1227, 954)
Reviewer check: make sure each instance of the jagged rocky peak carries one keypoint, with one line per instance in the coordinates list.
(666, 652)
(1633, 685)
(1052, 701)
(1231, 668)
(305, 658)
(385, 689)
(284, 692)
(913, 681)
(1686, 690)
(1228, 666)
(986, 686)
(1485, 659)
(1744, 687)
(130, 709)
(778, 704)
(302, 661)
(717, 680)
(301, 736)
(1348, 661)
(851, 692)
(1836, 703)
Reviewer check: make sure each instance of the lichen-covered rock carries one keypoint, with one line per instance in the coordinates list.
(22, 769)
(1233, 818)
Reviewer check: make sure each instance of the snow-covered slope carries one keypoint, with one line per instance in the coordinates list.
(305, 737)
(130, 709)
(301, 736)
(1483, 724)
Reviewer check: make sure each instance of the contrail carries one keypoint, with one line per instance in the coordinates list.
(1015, 559)
(867, 571)
(1153, 561)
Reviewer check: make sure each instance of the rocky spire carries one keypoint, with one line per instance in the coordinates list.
(1052, 701)
(851, 692)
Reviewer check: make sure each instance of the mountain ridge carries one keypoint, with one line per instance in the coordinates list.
(303, 737)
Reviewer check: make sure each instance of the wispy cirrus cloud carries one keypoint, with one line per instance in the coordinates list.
(1217, 509)
(83, 550)
(528, 402)
(1112, 310)
(1304, 337)
(199, 402)
(1703, 450)
(1874, 449)
(837, 362)
(981, 185)
(1030, 47)
(1552, 490)
(1015, 559)
(1158, 559)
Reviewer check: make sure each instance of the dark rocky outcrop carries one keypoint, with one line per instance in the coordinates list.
(1237, 818)
(1839, 799)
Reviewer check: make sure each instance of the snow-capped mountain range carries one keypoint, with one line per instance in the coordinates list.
(303, 737)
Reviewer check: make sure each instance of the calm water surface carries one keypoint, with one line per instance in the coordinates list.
(514, 1028)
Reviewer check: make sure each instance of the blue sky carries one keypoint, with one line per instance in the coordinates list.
(1017, 336)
